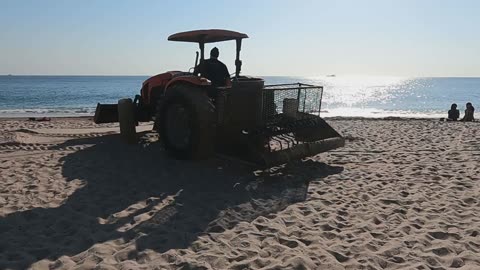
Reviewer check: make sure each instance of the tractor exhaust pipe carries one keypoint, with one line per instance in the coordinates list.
(196, 60)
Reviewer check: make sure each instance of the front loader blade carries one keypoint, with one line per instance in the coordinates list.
(106, 113)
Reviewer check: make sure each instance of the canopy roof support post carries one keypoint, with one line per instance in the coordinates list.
(238, 63)
(202, 51)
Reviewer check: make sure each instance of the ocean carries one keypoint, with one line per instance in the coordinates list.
(27, 96)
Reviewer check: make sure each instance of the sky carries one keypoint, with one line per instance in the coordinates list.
(287, 38)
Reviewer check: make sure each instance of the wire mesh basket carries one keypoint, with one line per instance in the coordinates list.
(291, 101)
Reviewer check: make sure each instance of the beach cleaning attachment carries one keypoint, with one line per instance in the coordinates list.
(292, 128)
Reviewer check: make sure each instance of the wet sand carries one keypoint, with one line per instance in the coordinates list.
(402, 194)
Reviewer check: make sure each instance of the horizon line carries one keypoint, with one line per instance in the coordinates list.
(307, 76)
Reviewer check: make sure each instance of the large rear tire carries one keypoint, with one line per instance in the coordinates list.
(186, 122)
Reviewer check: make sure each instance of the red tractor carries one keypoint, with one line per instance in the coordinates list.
(264, 124)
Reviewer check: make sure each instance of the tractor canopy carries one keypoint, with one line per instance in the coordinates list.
(210, 36)
(207, 36)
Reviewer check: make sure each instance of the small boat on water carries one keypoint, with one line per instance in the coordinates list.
(332, 75)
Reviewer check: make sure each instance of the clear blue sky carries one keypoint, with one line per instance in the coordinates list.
(369, 37)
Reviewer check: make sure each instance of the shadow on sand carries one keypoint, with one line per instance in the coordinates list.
(136, 193)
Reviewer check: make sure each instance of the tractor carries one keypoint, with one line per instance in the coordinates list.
(262, 124)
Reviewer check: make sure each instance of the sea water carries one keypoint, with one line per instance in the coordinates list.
(343, 95)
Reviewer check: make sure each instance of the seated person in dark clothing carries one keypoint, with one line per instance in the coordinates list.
(214, 70)
(453, 113)
(468, 117)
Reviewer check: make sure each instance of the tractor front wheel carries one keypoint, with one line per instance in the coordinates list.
(186, 122)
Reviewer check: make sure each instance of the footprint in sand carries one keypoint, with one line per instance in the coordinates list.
(340, 257)
(288, 243)
(457, 263)
(442, 235)
(443, 251)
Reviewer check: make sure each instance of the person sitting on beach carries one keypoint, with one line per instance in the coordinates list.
(214, 70)
(453, 113)
(469, 113)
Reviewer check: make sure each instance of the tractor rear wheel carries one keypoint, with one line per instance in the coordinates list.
(186, 122)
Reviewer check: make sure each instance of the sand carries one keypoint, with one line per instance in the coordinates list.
(400, 195)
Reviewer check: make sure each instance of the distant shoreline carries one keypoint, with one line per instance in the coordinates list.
(26, 96)
(333, 117)
(336, 118)
(291, 76)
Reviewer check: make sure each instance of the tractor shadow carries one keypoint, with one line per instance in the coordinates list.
(135, 192)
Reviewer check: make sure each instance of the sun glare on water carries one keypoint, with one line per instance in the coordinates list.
(370, 96)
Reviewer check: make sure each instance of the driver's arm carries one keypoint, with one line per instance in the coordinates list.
(226, 75)
(228, 82)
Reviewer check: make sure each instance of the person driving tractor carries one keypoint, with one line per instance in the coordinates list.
(214, 70)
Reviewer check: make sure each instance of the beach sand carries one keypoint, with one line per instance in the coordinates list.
(402, 194)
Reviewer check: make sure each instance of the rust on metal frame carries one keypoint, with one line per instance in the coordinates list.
(207, 36)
